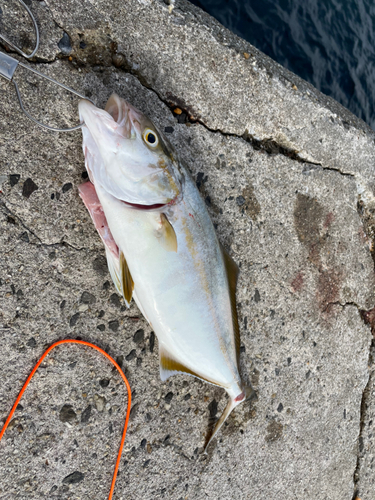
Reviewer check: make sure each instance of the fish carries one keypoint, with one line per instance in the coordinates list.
(161, 247)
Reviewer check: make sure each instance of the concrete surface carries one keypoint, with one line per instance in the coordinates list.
(287, 175)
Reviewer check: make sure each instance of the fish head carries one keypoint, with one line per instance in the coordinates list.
(128, 156)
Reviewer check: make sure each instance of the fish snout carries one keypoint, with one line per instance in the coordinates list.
(95, 119)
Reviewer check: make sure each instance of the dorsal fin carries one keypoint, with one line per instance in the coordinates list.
(232, 274)
(170, 366)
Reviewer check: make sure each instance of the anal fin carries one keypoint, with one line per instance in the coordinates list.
(170, 366)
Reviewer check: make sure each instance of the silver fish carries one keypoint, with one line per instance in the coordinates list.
(161, 246)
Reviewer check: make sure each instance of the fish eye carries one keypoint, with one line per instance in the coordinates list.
(150, 138)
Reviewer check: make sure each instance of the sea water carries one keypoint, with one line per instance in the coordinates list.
(329, 43)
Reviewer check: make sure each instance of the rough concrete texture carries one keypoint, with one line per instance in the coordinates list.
(287, 175)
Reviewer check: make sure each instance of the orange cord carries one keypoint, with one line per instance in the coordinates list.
(72, 341)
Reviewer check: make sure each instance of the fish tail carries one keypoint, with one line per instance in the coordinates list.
(247, 393)
(250, 394)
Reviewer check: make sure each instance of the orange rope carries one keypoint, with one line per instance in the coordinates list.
(72, 341)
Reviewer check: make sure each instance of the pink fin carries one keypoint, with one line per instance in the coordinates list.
(90, 199)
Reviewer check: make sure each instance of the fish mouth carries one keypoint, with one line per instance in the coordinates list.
(124, 114)
(155, 207)
(119, 116)
(137, 206)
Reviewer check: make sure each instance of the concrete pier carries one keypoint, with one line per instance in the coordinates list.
(288, 177)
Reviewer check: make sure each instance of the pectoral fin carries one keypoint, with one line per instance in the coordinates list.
(232, 274)
(166, 234)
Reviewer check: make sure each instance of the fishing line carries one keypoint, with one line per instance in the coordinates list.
(8, 66)
(82, 342)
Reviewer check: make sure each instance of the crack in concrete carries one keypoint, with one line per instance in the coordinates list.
(62, 243)
(368, 320)
(363, 411)
(16, 217)
(41, 243)
(268, 144)
(368, 317)
(35, 60)
(345, 174)
(343, 305)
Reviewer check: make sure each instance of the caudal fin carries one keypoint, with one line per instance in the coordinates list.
(247, 393)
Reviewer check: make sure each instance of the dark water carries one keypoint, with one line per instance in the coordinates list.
(329, 43)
